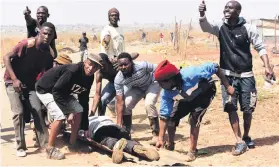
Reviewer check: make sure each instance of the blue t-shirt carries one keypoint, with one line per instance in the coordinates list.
(191, 76)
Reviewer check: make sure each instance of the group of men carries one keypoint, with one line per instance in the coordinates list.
(30, 76)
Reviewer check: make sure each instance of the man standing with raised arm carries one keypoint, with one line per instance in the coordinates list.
(236, 36)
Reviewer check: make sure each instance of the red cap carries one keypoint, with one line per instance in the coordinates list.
(165, 70)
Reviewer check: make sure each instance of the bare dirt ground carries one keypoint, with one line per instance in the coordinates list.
(216, 137)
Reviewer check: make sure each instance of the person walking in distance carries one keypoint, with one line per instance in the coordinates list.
(83, 41)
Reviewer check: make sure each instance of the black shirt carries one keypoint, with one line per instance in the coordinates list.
(33, 29)
(64, 80)
(235, 54)
(110, 73)
(83, 43)
(29, 62)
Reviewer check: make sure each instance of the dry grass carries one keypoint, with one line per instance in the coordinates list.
(70, 39)
(198, 49)
(7, 44)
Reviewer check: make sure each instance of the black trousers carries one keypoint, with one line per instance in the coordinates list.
(110, 135)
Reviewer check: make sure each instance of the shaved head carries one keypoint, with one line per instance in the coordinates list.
(236, 4)
(232, 10)
(44, 8)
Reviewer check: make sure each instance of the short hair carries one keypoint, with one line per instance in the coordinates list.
(125, 55)
(44, 7)
(104, 58)
(237, 4)
(50, 25)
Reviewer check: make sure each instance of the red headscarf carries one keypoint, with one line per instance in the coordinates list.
(165, 70)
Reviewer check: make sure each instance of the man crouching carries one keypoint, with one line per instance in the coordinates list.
(54, 89)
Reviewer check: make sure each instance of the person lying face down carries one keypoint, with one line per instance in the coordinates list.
(104, 131)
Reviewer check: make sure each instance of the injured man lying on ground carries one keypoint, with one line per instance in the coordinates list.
(104, 131)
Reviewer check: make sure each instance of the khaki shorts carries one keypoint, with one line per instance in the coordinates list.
(54, 111)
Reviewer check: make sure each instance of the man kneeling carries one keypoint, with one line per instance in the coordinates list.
(104, 131)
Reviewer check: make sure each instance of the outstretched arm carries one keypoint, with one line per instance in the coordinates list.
(29, 20)
(204, 24)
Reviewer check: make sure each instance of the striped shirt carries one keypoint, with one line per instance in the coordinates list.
(141, 78)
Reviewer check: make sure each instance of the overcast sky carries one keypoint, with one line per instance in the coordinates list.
(131, 11)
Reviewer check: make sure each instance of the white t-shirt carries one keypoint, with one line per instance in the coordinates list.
(116, 44)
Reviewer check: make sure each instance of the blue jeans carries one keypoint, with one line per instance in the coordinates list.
(108, 93)
(108, 98)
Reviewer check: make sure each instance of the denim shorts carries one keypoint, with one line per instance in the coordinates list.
(245, 93)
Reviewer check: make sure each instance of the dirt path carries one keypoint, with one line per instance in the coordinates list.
(216, 136)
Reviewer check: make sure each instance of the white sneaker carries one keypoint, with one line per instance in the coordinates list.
(20, 153)
(81, 133)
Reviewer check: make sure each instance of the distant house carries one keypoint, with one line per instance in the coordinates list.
(266, 29)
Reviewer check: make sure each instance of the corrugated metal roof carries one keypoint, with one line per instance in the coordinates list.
(271, 20)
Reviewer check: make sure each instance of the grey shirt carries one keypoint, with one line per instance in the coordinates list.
(141, 78)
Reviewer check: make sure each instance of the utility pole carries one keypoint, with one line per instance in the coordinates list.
(275, 35)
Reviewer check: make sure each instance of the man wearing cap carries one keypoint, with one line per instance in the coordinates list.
(83, 45)
(189, 90)
(112, 36)
(54, 89)
(34, 25)
(138, 78)
(62, 59)
(28, 58)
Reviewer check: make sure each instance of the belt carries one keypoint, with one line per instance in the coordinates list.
(238, 75)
